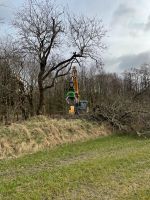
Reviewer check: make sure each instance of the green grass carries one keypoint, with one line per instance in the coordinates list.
(109, 168)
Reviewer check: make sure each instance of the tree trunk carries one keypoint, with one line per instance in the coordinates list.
(41, 94)
(30, 100)
(31, 107)
(41, 102)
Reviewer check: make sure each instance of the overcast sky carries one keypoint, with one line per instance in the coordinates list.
(127, 22)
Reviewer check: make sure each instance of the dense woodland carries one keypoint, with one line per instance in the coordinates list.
(36, 63)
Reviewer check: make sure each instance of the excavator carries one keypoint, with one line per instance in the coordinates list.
(76, 106)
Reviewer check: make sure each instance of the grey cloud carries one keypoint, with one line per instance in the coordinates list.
(147, 25)
(123, 10)
(5, 10)
(133, 60)
(123, 14)
(4, 14)
(129, 19)
(120, 64)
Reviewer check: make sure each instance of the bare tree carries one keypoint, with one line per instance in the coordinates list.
(44, 32)
(11, 87)
(86, 36)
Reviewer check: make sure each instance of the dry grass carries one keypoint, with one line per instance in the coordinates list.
(41, 132)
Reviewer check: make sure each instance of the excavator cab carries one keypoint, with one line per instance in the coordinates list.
(83, 106)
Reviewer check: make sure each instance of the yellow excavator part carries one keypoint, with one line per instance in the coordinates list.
(72, 110)
(75, 80)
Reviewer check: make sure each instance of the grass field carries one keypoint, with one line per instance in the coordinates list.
(111, 167)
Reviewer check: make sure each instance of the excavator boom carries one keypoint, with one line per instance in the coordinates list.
(75, 80)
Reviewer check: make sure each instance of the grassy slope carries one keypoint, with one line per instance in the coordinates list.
(41, 132)
(107, 168)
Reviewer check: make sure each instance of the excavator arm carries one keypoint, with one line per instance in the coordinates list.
(75, 80)
(78, 106)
